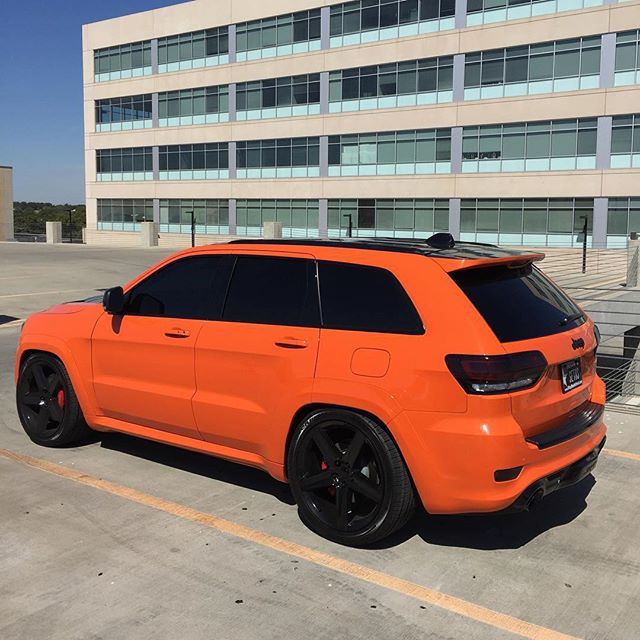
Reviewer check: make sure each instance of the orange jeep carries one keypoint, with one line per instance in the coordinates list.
(366, 373)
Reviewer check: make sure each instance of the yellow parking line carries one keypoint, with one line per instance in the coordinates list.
(423, 594)
(622, 454)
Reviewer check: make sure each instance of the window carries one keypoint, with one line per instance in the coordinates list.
(518, 304)
(210, 216)
(266, 290)
(123, 215)
(299, 218)
(565, 65)
(283, 157)
(530, 221)
(623, 218)
(627, 58)
(123, 61)
(369, 20)
(198, 49)
(194, 161)
(278, 97)
(362, 298)
(533, 146)
(193, 106)
(489, 11)
(398, 218)
(282, 35)
(133, 163)
(130, 112)
(392, 153)
(190, 288)
(392, 85)
(625, 142)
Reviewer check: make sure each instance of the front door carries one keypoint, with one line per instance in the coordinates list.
(255, 367)
(143, 360)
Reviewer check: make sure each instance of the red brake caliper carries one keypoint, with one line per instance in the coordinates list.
(60, 398)
(330, 490)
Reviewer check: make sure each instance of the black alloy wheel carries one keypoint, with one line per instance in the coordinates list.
(348, 478)
(47, 405)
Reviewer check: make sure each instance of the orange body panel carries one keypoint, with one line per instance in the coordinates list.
(232, 389)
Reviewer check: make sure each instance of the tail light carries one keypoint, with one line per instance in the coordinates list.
(487, 375)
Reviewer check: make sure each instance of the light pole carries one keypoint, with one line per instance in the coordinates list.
(193, 228)
(71, 212)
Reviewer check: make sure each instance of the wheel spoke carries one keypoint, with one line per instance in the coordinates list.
(354, 448)
(316, 481)
(362, 485)
(42, 419)
(343, 503)
(327, 448)
(54, 410)
(39, 377)
(53, 382)
(31, 399)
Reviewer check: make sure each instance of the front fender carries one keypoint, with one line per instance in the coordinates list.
(79, 372)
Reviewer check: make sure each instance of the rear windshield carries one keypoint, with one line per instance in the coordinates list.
(518, 303)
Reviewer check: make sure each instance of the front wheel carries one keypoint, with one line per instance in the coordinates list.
(348, 478)
(47, 404)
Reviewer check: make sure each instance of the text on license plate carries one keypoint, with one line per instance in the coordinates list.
(571, 374)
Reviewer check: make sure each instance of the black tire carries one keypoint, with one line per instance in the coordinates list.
(360, 496)
(47, 404)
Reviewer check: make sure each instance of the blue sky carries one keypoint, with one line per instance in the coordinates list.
(41, 128)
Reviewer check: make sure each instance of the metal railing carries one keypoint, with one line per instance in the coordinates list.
(616, 312)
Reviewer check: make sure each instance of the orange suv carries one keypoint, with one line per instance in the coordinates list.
(366, 373)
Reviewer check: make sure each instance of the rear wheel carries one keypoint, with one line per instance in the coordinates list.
(348, 478)
(47, 404)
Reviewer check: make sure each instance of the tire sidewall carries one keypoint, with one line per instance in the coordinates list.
(362, 424)
(67, 417)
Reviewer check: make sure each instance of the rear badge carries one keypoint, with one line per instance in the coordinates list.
(577, 343)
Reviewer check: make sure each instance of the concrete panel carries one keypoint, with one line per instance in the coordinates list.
(149, 234)
(603, 142)
(600, 211)
(607, 60)
(454, 217)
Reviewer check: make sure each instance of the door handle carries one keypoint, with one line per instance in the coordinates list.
(177, 333)
(291, 343)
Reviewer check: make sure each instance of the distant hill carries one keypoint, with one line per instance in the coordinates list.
(30, 217)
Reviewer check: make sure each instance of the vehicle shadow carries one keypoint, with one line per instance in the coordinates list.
(483, 532)
(198, 463)
(496, 531)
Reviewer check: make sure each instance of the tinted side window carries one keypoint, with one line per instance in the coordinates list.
(266, 290)
(187, 288)
(363, 298)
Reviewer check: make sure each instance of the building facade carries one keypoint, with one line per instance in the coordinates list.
(510, 121)
(6, 203)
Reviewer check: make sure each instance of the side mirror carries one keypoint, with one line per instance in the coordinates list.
(113, 301)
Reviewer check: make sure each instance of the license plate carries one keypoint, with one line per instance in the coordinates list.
(571, 375)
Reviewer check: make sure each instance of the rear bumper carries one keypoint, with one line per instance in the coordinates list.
(566, 477)
(452, 459)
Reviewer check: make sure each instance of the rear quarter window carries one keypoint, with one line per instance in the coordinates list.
(518, 303)
(364, 298)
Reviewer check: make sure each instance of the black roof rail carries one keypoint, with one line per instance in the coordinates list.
(441, 245)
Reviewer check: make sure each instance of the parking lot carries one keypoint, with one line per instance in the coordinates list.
(124, 538)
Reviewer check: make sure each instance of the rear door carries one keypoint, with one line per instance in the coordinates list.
(528, 312)
(255, 367)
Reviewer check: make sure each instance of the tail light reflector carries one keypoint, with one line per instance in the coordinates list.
(487, 375)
